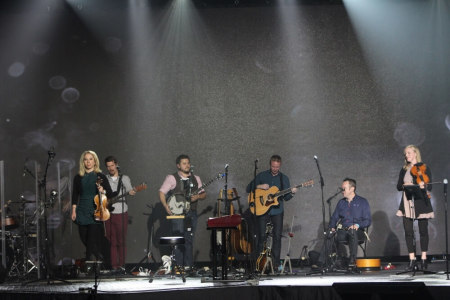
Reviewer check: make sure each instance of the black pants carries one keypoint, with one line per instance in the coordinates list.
(351, 237)
(277, 222)
(408, 224)
(92, 237)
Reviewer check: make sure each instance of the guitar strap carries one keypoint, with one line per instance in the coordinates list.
(281, 182)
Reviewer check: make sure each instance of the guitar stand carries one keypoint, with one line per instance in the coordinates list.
(267, 264)
(287, 259)
(304, 259)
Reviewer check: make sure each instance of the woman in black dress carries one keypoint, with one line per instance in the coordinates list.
(86, 185)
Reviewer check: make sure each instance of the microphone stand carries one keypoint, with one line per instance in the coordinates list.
(122, 188)
(328, 238)
(321, 188)
(252, 265)
(445, 181)
(329, 203)
(44, 204)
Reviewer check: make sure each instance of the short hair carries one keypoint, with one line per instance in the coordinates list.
(276, 158)
(82, 169)
(351, 182)
(110, 158)
(180, 157)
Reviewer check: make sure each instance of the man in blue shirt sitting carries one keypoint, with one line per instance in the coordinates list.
(350, 218)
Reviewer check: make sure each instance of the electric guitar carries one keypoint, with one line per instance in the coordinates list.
(111, 201)
(182, 204)
(266, 199)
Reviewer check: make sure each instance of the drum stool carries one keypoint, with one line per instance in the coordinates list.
(173, 242)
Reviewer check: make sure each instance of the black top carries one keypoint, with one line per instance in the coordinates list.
(422, 203)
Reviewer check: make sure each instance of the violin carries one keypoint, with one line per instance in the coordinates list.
(101, 203)
(419, 173)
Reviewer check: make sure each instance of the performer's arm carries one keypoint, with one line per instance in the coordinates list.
(162, 198)
(169, 184)
(128, 186)
(400, 180)
(75, 196)
(202, 194)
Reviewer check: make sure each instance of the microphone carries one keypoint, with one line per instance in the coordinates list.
(24, 172)
(191, 169)
(226, 166)
(256, 160)
(51, 152)
(340, 189)
(445, 181)
(315, 157)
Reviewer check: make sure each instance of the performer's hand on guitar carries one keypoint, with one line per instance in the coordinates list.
(169, 212)
(294, 190)
(264, 186)
(132, 192)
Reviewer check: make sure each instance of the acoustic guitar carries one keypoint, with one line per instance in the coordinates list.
(239, 236)
(266, 199)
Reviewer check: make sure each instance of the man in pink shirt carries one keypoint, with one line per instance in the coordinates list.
(179, 195)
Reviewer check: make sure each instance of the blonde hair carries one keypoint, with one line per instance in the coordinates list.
(418, 156)
(82, 170)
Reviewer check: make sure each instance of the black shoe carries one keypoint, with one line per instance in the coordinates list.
(411, 265)
(424, 264)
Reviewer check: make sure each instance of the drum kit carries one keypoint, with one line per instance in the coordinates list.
(20, 239)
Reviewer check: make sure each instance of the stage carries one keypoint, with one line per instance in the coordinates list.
(382, 284)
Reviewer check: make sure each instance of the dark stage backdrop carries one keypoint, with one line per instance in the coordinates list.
(226, 84)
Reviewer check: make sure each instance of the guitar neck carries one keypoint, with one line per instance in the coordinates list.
(197, 191)
(287, 191)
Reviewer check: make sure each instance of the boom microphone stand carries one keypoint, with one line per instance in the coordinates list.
(328, 236)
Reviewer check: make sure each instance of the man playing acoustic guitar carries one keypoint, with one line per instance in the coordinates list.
(265, 180)
(183, 185)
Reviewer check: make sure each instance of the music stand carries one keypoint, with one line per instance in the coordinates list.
(413, 192)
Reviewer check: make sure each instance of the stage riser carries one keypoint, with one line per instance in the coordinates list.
(359, 291)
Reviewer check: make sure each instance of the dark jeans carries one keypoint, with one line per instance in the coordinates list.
(92, 237)
(351, 237)
(277, 222)
(408, 224)
(184, 254)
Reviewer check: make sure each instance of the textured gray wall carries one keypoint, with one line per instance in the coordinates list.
(224, 84)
